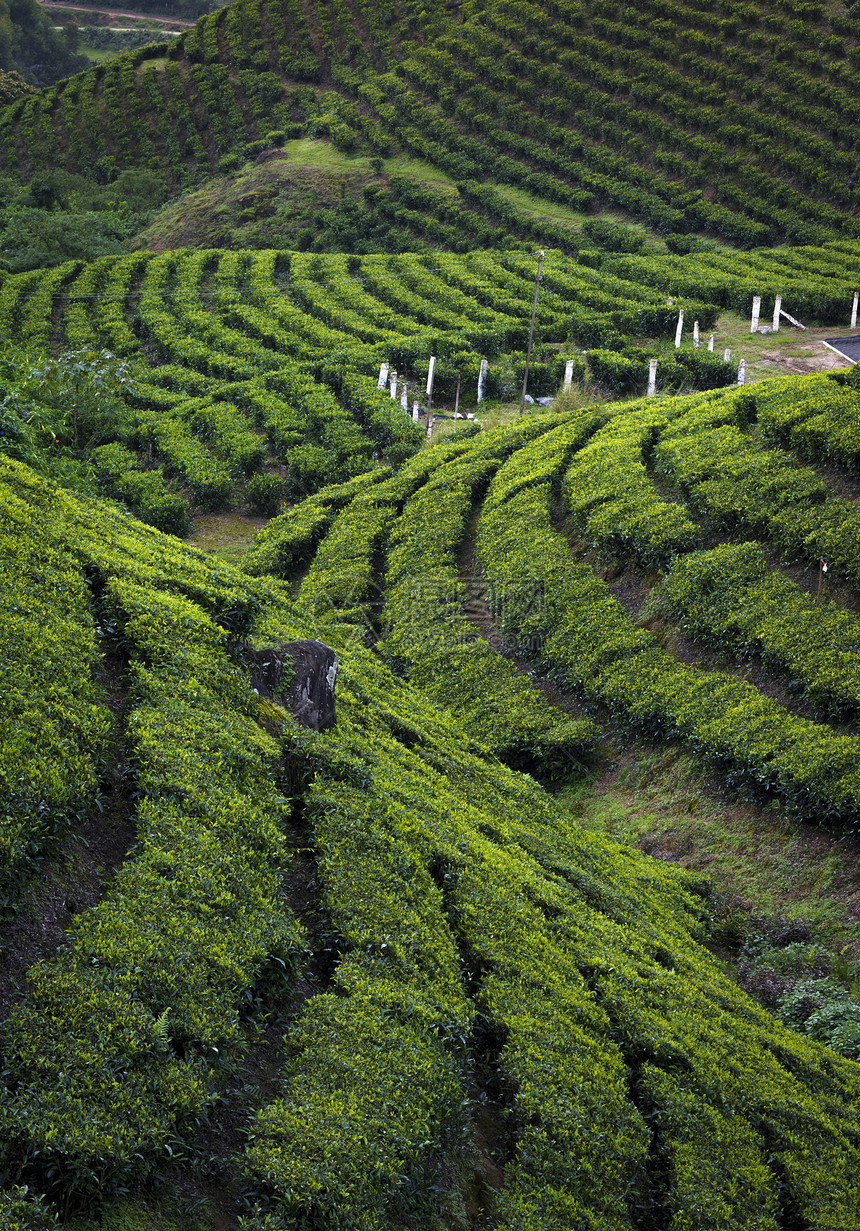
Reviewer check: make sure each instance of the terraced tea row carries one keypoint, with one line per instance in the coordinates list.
(561, 610)
(490, 960)
(257, 372)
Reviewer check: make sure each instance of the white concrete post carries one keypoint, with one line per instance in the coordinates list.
(568, 374)
(652, 378)
(756, 311)
(727, 354)
(431, 372)
(482, 380)
(711, 343)
(404, 398)
(414, 412)
(853, 324)
(696, 334)
(741, 372)
(393, 386)
(383, 376)
(777, 307)
(679, 329)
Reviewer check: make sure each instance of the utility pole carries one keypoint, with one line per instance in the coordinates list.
(531, 333)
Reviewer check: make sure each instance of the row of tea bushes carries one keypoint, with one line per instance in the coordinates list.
(248, 362)
(435, 645)
(56, 730)
(817, 417)
(729, 596)
(611, 497)
(736, 482)
(489, 956)
(144, 491)
(343, 584)
(592, 644)
(115, 1051)
(470, 911)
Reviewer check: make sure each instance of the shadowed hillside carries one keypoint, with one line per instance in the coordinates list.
(732, 119)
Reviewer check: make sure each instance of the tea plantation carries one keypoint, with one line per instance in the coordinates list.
(256, 976)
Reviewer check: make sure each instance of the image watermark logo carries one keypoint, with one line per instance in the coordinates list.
(432, 610)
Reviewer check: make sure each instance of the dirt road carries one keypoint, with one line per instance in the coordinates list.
(168, 22)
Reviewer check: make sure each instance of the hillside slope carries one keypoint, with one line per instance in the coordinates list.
(474, 988)
(252, 377)
(732, 119)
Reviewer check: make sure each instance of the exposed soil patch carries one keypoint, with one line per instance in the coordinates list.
(630, 590)
(814, 357)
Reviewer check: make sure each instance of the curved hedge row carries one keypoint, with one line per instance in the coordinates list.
(592, 644)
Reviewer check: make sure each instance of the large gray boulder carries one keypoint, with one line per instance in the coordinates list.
(300, 676)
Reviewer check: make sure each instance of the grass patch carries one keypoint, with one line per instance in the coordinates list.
(664, 804)
(98, 55)
(537, 207)
(803, 346)
(135, 1216)
(312, 152)
(226, 535)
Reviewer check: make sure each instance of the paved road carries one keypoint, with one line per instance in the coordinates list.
(849, 347)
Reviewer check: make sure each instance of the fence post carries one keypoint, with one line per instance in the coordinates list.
(756, 310)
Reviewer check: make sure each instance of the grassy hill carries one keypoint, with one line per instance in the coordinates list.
(729, 119)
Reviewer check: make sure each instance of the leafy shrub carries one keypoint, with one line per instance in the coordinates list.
(613, 236)
(265, 493)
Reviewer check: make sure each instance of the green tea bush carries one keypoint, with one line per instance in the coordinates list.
(612, 498)
(592, 644)
(290, 539)
(56, 729)
(480, 945)
(613, 236)
(144, 491)
(23, 1212)
(432, 641)
(265, 493)
(130, 1017)
(734, 480)
(816, 417)
(730, 597)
